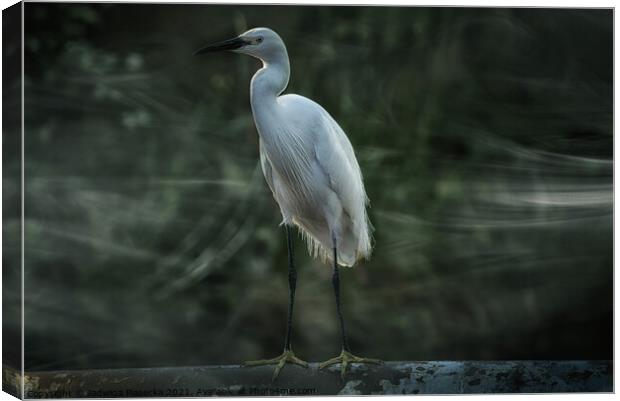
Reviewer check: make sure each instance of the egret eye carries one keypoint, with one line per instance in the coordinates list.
(259, 39)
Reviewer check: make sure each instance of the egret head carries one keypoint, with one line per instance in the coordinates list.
(262, 43)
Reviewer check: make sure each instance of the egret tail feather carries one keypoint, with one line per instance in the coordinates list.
(352, 246)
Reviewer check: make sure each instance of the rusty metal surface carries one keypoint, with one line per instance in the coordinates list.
(433, 377)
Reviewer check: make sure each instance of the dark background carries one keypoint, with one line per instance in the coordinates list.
(484, 136)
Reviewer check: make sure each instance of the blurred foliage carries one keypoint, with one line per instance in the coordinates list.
(485, 139)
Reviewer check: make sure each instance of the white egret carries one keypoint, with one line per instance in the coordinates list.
(311, 169)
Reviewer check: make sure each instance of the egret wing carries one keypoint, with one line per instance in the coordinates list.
(336, 157)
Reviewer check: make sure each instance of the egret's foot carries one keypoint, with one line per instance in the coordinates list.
(288, 356)
(345, 359)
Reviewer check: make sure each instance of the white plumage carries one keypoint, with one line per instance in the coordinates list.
(307, 159)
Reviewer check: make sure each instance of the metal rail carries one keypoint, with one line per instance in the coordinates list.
(432, 377)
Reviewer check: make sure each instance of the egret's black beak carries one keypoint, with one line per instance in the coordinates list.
(230, 44)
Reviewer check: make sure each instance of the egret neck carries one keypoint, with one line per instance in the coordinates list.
(269, 82)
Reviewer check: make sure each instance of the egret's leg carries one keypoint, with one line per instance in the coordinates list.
(287, 355)
(346, 357)
(336, 285)
(292, 285)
